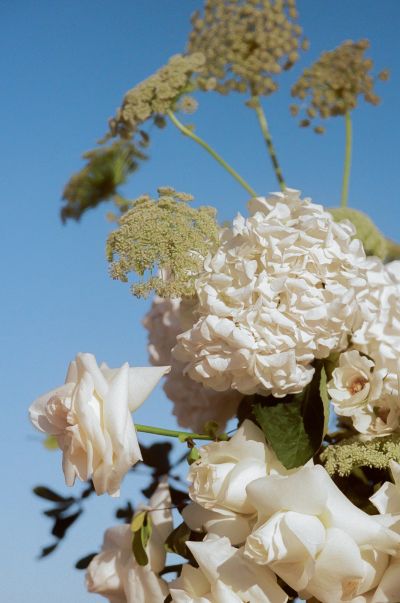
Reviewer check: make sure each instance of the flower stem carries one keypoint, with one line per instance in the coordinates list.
(188, 132)
(256, 105)
(347, 160)
(171, 433)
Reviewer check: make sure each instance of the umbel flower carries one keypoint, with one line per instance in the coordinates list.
(90, 417)
(246, 44)
(282, 289)
(334, 83)
(165, 237)
(156, 95)
(194, 404)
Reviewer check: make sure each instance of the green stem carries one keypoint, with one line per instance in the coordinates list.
(256, 105)
(188, 132)
(171, 433)
(347, 160)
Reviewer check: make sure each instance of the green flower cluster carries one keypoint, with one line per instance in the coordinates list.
(165, 237)
(332, 85)
(245, 44)
(106, 169)
(345, 456)
(156, 95)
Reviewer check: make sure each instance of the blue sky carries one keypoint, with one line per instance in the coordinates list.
(65, 66)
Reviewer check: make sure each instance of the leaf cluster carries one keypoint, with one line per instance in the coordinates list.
(106, 169)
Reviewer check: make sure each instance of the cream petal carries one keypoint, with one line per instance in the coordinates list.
(338, 570)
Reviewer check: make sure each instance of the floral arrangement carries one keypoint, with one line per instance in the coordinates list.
(285, 322)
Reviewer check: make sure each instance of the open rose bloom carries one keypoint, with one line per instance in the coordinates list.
(289, 320)
(90, 415)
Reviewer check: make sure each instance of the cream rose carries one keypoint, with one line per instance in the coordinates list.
(224, 574)
(315, 539)
(90, 417)
(115, 574)
(357, 390)
(219, 479)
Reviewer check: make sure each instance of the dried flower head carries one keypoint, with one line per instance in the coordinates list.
(166, 238)
(106, 169)
(332, 85)
(245, 44)
(156, 95)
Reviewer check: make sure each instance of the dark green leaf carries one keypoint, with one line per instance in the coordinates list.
(63, 523)
(179, 498)
(157, 457)
(294, 425)
(176, 541)
(138, 549)
(323, 391)
(84, 561)
(47, 550)
(48, 494)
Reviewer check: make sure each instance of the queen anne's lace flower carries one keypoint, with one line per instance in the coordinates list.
(283, 288)
(194, 404)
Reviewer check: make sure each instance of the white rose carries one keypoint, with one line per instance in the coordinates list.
(115, 574)
(219, 479)
(224, 574)
(387, 498)
(379, 338)
(357, 389)
(315, 539)
(90, 417)
(354, 382)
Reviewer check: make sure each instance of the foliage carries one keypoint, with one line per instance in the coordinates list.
(294, 425)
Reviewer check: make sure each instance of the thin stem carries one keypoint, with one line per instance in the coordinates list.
(188, 132)
(347, 160)
(171, 433)
(256, 105)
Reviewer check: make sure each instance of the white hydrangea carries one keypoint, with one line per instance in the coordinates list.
(284, 287)
(379, 338)
(194, 404)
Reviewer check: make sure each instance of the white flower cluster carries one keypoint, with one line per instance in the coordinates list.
(284, 287)
(263, 523)
(194, 404)
(365, 385)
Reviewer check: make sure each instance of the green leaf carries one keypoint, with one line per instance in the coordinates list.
(193, 455)
(294, 425)
(323, 391)
(83, 563)
(373, 240)
(176, 541)
(138, 549)
(140, 540)
(51, 443)
(138, 521)
(48, 494)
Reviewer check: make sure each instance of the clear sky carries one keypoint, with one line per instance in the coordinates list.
(65, 66)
